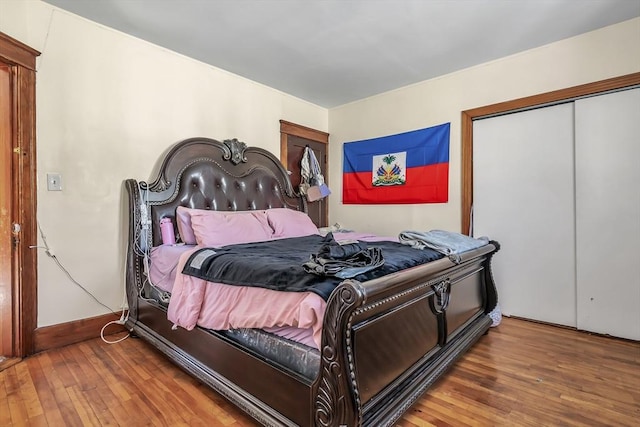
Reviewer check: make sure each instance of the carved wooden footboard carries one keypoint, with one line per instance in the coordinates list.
(387, 340)
(384, 341)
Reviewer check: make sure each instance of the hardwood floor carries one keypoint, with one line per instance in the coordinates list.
(520, 374)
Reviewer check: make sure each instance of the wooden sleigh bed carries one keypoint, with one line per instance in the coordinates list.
(384, 341)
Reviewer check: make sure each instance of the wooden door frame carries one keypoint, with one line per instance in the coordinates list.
(518, 104)
(22, 63)
(288, 128)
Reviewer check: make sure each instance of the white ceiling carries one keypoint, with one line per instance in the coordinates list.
(331, 52)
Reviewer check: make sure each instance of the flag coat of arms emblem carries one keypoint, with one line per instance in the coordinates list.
(411, 167)
(389, 169)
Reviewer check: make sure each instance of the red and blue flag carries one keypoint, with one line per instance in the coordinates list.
(410, 167)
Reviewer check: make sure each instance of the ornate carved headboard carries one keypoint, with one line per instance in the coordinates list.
(203, 173)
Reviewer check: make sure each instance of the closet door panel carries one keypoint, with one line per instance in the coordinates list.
(608, 213)
(523, 191)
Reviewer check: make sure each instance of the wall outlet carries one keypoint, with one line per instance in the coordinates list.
(54, 182)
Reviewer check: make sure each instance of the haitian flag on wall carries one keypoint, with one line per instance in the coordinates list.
(410, 167)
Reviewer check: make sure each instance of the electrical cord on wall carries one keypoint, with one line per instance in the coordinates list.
(123, 316)
(143, 247)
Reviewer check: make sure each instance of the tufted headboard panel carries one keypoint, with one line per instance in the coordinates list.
(203, 173)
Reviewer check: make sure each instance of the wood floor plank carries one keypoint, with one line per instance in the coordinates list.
(28, 393)
(63, 401)
(516, 365)
(5, 412)
(211, 402)
(179, 413)
(83, 407)
(39, 421)
(520, 374)
(91, 384)
(45, 393)
(16, 406)
(135, 379)
(111, 377)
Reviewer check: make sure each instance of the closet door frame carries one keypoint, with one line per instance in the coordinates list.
(518, 104)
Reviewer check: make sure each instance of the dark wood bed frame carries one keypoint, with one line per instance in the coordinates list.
(384, 341)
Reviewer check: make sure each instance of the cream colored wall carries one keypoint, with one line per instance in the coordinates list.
(609, 52)
(107, 105)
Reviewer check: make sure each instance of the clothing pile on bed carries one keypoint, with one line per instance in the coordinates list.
(343, 259)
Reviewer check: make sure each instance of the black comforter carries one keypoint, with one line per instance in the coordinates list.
(278, 264)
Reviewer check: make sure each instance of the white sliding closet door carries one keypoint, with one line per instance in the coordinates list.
(523, 191)
(608, 213)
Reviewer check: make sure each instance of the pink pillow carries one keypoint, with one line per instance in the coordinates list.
(217, 228)
(183, 221)
(290, 223)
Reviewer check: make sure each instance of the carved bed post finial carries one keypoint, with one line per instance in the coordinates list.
(234, 151)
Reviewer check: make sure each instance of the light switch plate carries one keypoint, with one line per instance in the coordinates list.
(54, 182)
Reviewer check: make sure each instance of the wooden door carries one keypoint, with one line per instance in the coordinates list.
(294, 139)
(6, 265)
(18, 225)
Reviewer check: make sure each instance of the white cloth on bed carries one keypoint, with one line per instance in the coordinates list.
(449, 243)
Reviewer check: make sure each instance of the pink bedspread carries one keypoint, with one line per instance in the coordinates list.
(164, 264)
(296, 315)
